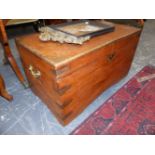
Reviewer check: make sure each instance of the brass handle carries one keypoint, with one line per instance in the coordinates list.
(35, 73)
(110, 57)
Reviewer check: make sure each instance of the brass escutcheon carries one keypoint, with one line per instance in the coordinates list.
(111, 56)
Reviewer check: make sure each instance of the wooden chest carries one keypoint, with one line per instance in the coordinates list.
(69, 77)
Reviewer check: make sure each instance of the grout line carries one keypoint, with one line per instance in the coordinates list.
(18, 119)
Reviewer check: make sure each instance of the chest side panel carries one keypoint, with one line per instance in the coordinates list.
(91, 80)
(99, 67)
(45, 85)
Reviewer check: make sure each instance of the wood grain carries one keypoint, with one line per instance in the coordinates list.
(52, 51)
(3, 91)
(72, 76)
(7, 52)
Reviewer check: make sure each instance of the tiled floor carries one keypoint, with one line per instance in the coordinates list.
(26, 114)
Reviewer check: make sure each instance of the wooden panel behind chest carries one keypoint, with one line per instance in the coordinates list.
(68, 86)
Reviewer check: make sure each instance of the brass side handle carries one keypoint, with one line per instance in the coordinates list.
(111, 57)
(35, 73)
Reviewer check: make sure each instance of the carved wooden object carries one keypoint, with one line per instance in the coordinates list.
(3, 91)
(69, 77)
(7, 52)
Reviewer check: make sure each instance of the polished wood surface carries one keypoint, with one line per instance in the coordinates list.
(7, 52)
(3, 91)
(69, 77)
(52, 51)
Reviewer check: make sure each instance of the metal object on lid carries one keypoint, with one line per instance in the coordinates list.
(75, 32)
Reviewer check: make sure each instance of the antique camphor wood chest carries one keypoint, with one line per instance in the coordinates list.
(68, 77)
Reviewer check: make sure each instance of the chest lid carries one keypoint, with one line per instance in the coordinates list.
(57, 54)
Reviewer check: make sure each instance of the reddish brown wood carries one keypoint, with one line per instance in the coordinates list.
(72, 76)
(140, 22)
(7, 52)
(3, 91)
